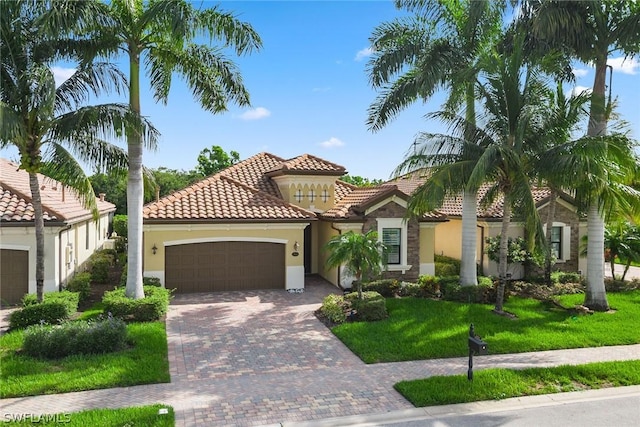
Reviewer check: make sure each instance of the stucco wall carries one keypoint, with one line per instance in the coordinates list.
(427, 248)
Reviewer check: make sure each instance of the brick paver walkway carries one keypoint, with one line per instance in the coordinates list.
(261, 357)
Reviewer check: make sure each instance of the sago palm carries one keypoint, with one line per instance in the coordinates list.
(50, 126)
(162, 38)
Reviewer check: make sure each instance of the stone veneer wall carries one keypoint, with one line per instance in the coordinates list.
(393, 210)
(569, 218)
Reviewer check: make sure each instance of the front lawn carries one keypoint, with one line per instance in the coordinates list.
(495, 384)
(145, 363)
(148, 416)
(426, 329)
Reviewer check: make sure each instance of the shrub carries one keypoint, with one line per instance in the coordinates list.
(100, 264)
(410, 290)
(152, 307)
(151, 281)
(565, 277)
(43, 313)
(67, 298)
(430, 286)
(80, 283)
(120, 226)
(446, 266)
(81, 337)
(335, 308)
(484, 293)
(371, 307)
(385, 287)
(614, 285)
(121, 246)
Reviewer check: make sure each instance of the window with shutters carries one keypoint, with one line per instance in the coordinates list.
(392, 239)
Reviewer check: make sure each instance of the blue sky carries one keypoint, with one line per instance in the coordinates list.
(310, 93)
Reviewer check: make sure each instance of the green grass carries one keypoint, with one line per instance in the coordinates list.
(145, 363)
(147, 416)
(495, 384)
(426, 329)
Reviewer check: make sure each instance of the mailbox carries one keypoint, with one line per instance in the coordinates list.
(477, 346)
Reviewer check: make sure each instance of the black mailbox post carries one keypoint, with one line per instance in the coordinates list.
(476, 346)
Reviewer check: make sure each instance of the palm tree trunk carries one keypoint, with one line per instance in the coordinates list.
(504, 248)
(595, 294)
(468, 262)
(36, 200)
(550, 217)
(135, 188)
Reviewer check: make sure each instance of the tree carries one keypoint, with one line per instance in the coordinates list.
(161, 36)
(50, 126)
(361, 254)
(215, 159)
(436, 49)
(590, 31)
(622, 241)
(113, 184)
(359, 181)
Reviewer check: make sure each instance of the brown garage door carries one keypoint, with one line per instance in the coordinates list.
(14, 275)
(225, 266)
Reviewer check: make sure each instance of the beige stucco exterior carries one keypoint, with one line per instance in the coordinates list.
(66, 248)
(163, 235)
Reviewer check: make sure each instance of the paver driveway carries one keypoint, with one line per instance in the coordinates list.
(264, 357)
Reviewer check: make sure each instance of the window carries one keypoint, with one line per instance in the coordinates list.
(391, 237)
(556, 242)
(312, 196)
(298, 196)
(325, 195)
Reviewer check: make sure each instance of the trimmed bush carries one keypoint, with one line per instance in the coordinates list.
(614, 285)
(385, 287)
(100, 264)
(152, 307)
(565, 277)
(80, 283)
(44, 313)
(430, 286)
(446, 266)
(120, 226)
(410, 290)
(335, 308)
(81, 337)
(484, 293)
(151, 281)
(67, 298)
(371, 307)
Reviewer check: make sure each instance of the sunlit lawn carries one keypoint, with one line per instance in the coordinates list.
(426, 329)
(145, 363)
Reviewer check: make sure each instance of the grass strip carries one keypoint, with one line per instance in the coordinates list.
(148, 416)
(426, 329)
(496, 384)
(145, 363)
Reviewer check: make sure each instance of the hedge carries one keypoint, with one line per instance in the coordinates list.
(152, 307)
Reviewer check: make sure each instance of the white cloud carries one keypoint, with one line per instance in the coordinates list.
(580, 72)
(60, 74)
(256, 114)
(579, 89)
(625, 66)
(332, 142)
(363, 53)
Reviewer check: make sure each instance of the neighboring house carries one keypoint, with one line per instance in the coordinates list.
(568, 228)
(71, 233)
(262, 224)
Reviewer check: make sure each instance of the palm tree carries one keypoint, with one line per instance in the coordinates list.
(622, 240)
(361, 254)
(161, 37)
(48, 124)
(590, 31)
(436, 49)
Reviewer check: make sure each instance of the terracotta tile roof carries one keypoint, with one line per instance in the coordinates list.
(342, 189)
(308, 164)
(220, 197)
(252, 171)
(59, 202)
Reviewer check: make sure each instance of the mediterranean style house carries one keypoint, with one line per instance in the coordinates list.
(71, 233)
(262, 224)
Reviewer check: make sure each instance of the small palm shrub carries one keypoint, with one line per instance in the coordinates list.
(81, 337)
(335, 308)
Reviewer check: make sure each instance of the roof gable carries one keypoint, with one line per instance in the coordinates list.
(59, 202)
(307, 164)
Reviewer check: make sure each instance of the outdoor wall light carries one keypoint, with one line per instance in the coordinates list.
(154, 249)
(296, 246)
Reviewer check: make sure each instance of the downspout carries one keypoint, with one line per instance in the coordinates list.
(481, 249)
(60, 255)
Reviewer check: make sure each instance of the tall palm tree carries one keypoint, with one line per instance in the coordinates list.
(590, 31)
(436, 49)
(49, 125)
(361, 254)
(161, 37)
